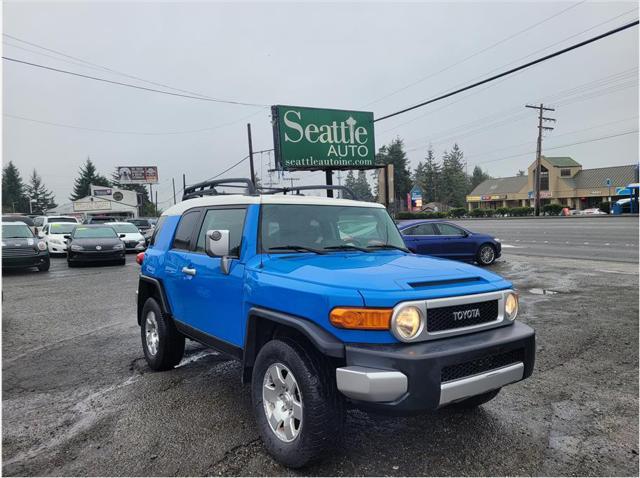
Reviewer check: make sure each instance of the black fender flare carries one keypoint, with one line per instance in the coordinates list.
(146, 283)
(325, 342)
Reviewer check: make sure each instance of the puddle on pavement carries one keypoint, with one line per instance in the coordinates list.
(543, 291)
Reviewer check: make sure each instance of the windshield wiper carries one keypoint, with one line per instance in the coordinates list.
(296, 248)
(346, 247)
(388, 246)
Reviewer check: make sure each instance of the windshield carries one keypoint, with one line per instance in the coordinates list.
(62, 228)
(319, 227)
(63, 219)
(15, 231)
(93, 232)
(125, 228)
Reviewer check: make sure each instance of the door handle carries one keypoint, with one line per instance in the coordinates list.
(188, 271)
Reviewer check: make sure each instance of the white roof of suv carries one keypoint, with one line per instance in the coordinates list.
(240, 199)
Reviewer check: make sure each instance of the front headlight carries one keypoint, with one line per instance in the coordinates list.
(42, 246)
(55, 241)
(118, 247)
(75, 247)
(511, 304)
(407, 323)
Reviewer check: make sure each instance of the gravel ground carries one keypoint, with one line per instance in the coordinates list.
(78, 398)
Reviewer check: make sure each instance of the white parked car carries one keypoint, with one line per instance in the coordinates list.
(53, 234)
(130, 235)
(41, 221)
(594, 211)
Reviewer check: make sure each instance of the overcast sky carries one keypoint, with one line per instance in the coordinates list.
(376, 57)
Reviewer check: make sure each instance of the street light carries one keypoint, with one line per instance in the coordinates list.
(31, 201)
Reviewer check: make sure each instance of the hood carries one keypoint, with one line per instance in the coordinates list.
(19, 242)
(386, 271)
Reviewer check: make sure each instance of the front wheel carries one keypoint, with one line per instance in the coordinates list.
(162, 344)
(486, 255)
(44, 267)
(298, 409)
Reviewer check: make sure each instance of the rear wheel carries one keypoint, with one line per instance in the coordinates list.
(162, 344)
(486, 255)
(298, 410)
(473, 402)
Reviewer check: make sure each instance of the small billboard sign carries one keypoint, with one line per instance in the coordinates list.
(322, 139)
(137, 174)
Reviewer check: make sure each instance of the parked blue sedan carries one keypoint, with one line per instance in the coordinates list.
(443, 239)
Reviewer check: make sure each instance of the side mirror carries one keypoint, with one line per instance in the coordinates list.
(67, 236)
(41, 235)
(217, 245)
(122, 236)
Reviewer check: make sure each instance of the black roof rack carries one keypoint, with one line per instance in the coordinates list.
(208, 188)
(296, 189)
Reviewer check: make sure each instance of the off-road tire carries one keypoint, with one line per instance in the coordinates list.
(479, 255)
(170, 348)
(45, 267)
(476, 401)
(323, 407)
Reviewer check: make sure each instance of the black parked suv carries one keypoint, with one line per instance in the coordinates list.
(21, 249)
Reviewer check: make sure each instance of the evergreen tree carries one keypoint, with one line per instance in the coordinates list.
(455, 182)
(362, 189)
(394, 154)
(13, 190)
(87, 175)
(350, 182)
(427, 176)
(41, 198)
(477, 177)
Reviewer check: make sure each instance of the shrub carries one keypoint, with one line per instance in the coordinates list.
(477, 213)
(521, 211)
(502, 211)
(421, 215)
(552, 209)
(605, 206)
(457, 212)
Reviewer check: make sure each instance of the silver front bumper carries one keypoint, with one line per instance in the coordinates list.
(371, 384)
(466, 387)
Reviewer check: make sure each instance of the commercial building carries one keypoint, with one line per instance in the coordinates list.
(562, 181)
(103, 201)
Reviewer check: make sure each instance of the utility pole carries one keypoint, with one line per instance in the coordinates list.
(541, 109)
(173, 182)
(184, 182)
(329, 179)
(156, 203)
(253, 174)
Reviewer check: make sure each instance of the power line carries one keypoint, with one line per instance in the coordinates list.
(513, 70)
(129, 85)
(140, 133)
(559, 147)
(92, 65)
(474, 54)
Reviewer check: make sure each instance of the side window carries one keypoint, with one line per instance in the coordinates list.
(422, 230)
(185, 229)
(449, 230)
(159, 224)
(225, 219)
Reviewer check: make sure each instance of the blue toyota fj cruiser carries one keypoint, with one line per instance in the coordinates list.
(325, 308)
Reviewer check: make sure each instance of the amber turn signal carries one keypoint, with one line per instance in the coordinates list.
(361, 318)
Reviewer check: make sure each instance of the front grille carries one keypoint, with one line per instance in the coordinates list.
(18, 251)
(483, 364)
(131, 243)
(463, 315)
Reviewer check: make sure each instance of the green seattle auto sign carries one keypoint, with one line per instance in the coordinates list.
(314, 138)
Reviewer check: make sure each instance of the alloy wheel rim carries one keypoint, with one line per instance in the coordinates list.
(151, 333)
(282, 401)
(487, 254)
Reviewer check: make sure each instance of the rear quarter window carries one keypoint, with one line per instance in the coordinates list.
(156, 231)
(185, 231)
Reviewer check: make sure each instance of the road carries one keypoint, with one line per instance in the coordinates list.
(600, 238)
(79, 399)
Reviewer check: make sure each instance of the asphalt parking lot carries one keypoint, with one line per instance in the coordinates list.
(78, 398)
